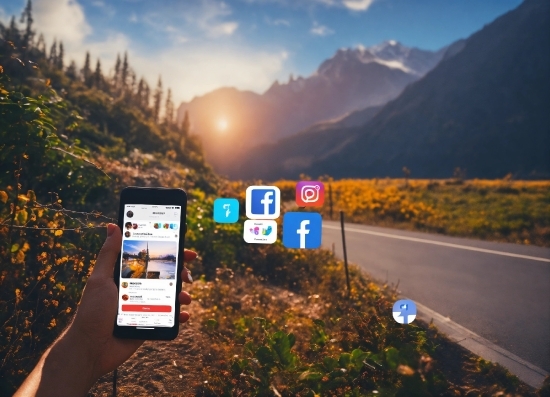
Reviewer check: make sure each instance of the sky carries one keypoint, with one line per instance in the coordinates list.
(201, 45)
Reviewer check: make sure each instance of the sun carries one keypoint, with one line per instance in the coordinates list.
(222, 125)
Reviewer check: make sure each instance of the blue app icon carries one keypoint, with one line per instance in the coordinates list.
(302, 230)
(226, 210)
(404, 311)
(263, 202)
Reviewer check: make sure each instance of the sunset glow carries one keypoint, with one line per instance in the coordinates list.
(222, 125)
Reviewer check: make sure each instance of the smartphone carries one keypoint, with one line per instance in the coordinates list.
(148, 271)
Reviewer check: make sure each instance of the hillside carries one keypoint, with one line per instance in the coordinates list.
(352, 79)
(484, 110)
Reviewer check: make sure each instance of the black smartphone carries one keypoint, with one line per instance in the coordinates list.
(148, 271)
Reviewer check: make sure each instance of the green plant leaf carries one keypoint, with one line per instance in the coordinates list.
(265, 356)
(319, 323)
(392, 357)
(310, 375)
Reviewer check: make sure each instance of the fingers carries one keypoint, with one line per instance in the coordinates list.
(109, 253)
(184, 298)
(189, 255)
(184, 316)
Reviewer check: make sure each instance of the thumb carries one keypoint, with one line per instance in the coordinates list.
(109, 253)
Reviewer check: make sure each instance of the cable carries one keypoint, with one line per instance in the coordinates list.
(115, 375)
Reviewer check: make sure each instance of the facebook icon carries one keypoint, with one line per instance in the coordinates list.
(263, 202)
(404, 311)
(302, 230)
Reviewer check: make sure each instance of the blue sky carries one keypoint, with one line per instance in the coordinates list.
(200, 45)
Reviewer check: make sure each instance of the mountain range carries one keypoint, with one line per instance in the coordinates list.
(352, 79)
(483, 108)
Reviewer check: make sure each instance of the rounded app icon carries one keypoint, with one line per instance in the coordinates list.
(263, 202)
(260, 231)
(226, 210)
(310, 194)
(404, 311)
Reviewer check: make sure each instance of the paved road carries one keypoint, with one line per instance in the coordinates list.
(505, 299)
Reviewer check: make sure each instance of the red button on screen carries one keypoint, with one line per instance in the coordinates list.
(147, 308)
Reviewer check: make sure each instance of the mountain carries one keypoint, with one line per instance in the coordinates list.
(352, 79)
(484, 108)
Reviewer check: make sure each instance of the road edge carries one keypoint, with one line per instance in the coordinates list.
(524, 370)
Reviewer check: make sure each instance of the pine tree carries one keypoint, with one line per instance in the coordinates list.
(140, 92)
(124, 73)
(169, 109)
(117, 72)
(185, 125)
(157, 99)
(71, 71)
(26, 16)
(53, 54)
(59, 62)
(86, 71)
(146, 96)
(12, 33)
(41, 45)
(97, 75)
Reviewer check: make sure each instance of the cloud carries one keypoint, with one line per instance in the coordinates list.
(320, 30)
(357, 5)
(61, 19)
(209, 18)
(277, 22)
(200, 70)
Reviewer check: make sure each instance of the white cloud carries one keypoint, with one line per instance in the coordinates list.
(357, 5)
(61, 19)
(209, 18)
(320, 30)
(193, 72)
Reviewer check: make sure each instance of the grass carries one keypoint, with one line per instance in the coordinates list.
(499, 210)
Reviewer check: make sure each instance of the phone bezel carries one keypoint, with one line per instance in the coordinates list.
(153, 196)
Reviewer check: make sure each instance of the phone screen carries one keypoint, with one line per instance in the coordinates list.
(148, 266)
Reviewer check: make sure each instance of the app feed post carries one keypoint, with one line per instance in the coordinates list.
(149, 260)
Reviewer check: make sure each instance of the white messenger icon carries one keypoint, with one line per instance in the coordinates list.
(310, 193)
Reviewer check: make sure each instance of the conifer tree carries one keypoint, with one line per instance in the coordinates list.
(97, 75)
(124, 73)
(26, 16)
(71, 71)
(86, 71)
(117, 72)
(59, 62)
(53, 54)
(185, 125)
(169, 109)
(157, 99)
(140, 92)
(41, 44)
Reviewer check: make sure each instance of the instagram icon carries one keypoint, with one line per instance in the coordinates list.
(310, 194)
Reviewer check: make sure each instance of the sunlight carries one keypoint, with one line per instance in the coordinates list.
(222, 125)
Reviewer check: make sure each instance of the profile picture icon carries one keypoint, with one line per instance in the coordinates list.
(130, 214)
(156, 225)
(166, 226)
(127, 234)
(134, 226)
(128, 225)
(124, 284)
(125, 297)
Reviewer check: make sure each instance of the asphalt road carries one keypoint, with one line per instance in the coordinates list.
(505, 299)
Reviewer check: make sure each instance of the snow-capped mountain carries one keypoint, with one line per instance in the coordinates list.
(354, 78)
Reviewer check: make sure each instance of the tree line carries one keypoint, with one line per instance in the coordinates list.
(21, 52)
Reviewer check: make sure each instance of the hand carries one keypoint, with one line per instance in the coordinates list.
(88, 349)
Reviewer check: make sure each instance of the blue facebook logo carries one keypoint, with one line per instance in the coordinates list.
(404, 311)
(302, 230)
(263, 202)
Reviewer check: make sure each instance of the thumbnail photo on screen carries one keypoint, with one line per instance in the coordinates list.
(149, 259)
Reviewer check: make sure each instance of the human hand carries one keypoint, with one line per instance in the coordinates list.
(87, 349)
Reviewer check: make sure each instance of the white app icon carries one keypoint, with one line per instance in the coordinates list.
(310, 193)
(260, 231)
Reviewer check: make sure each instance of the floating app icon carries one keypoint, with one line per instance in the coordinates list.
(404, 311)
(302, 230)
(226, 210)
(263, 202)
(258, 231)
(310, 194)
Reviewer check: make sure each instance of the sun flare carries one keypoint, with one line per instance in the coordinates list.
(222, 125)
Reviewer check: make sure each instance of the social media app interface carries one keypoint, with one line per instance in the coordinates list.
(263, 202)
(149, 257)
(258, 231)
(226, 210)
(404, 311)
(302, 230)
(310, 194)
